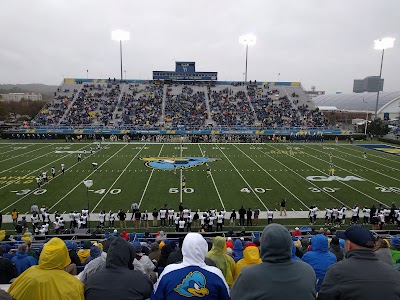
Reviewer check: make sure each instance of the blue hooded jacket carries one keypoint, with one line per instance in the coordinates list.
(319, 258)
(94, 253)
(294, 257)
(23, 261)
(237, 253)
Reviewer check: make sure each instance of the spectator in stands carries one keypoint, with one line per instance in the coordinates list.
(72, 251)
(22, 260)
(377, 280)
(296, 232)
(143, 263)
(222, 260)
(319, 258)
(95, 252)
(382, 251)
(272, 278)
(84, 253)
(155, 252)
(98, 263)
(48, 280)
(118, 280)
(395, 249)
(32, 252)
(294, 249)
(7, 270)
(336, 249)
(237, 253)
(192, 277)
(251, 256)
(165, 252)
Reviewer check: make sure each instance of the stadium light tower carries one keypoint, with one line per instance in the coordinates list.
(247, 40)
(120, 35)
(382, 44)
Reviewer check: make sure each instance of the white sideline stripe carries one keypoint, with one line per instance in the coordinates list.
(367, 169)
(380, 152)
(148, 181)
(259, 199)
(212, 178)
(117, 179)
(25, 161)
(277, 181)
(370, 161)
(34, 190)
(41, 168)
(310, 182)
(94, 171)
(17, 150)
(344, 182)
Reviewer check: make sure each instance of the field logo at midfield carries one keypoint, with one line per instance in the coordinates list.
(167, 163)
(332, 178)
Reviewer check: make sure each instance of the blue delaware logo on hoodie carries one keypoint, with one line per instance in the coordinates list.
(194, 285)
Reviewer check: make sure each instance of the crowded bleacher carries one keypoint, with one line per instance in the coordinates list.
(73, 265)
(197, 105)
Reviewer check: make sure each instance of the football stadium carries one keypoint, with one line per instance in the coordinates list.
(167, 185)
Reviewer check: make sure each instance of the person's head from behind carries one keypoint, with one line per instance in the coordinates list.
(357, 238)
(381, 243)
(120, 254)
(23, 248)
(194, 249)
(276, 244)
(54, 255)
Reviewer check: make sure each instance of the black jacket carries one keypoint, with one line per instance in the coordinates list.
(118, 280)
(7, 271)
(361, 276)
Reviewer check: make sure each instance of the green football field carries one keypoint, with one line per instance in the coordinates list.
(252, 175)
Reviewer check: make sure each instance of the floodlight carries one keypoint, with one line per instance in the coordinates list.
(120, 35)
(248, 39)
(384, 43)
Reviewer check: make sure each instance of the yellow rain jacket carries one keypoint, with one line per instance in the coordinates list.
(48, 280)
(2, 235)
(251, 256)
(218, 254)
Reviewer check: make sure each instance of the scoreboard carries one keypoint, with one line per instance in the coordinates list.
(185, 67)
(185, 71)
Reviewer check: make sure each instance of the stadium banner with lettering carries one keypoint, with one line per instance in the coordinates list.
(185, 132)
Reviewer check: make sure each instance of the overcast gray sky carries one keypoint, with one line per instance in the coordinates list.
(326, 43)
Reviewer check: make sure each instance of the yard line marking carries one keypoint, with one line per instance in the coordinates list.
(310, 182)
(148, 181)
(94, 171)
(12, 156)
(117, 179)
(41, 168)
(24, 161)
(342, 181)
(369, 161)
(212, 178)
(277, 181)
(259, 199)
(367, 169)
(31, 192)
(353, 148)
(180, 194)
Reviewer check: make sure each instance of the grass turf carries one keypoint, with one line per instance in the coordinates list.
(252, 175)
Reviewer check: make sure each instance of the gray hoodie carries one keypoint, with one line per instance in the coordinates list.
(278, 277)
